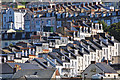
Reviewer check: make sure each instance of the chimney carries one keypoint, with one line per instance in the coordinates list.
(101, 26)
(88, 47)
(14, 70)
(69, 55)
(92, 25)
(48, 63)
(90, 4)
(55, 61)
(100, 43)
(106, 41)
(94, 3)
(76, 51)
(112, 38)
(93, 62)
(82, 50)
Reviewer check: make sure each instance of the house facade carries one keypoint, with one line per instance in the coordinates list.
(13, 18)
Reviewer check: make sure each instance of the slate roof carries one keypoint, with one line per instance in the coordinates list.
(5, 69)
(24, 65)
(40, 73)
(43, 62)
(106, 68)
(34, 62)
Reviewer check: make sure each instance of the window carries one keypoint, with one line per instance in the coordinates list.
(23, 35)
(49, 22)
(53, 22)
(58, 15)
(116, 46)
(17, 55)
(10, 12)
(27, 17)
(5, 36)
(58, 24)
(6, 44)
(37, 22)
(13, 43)
(42, 22)
(10, 57)
(69, 15)
(4, 19)
(104, 51)
(63, 58)
(72, 63)
(53, 14)
(48, 14)
(10, 18)
(13, 35)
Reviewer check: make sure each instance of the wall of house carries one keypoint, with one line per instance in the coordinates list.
(111, 76)
(19, 20)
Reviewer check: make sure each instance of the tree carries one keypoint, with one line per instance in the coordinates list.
(105, 27)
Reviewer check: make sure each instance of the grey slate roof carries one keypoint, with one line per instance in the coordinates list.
(36, 73)
(5, 69)
(25, 65)
(106, 68)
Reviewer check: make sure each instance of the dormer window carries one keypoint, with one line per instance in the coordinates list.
(53, 22)
(114, 13)
(49, 22)
(18, 55)
(10, 57)
(58, 24)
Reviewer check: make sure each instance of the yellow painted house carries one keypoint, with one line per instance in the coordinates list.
(20, 6)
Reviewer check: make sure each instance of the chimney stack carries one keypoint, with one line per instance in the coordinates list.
(69, 55)
(16, 68)
(88, 47)
(93, 62)
(100, 43)
(82, 50)
(55, 61)
(48, 63)
(112, 38)
(106, 41)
